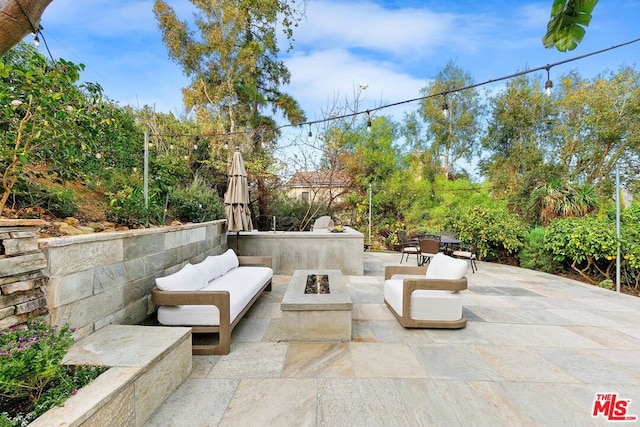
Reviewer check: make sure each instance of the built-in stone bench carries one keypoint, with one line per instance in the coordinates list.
(147, 364)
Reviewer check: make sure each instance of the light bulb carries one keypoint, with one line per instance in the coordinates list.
(36, 41)
(445, 110)
(548, 84)
(310, 136)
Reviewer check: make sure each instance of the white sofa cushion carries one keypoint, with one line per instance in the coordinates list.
(210, 268)
(243, 283)
(442, 266)
(425, 304)
(228, 260)
(186, 279)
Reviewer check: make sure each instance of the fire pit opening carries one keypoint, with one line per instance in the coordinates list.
(317, 284)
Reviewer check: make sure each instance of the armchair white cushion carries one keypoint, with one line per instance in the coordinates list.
(446, 267)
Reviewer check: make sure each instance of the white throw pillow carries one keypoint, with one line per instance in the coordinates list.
(442, 266)
(187, 279)
(210, 268)
(228, 261)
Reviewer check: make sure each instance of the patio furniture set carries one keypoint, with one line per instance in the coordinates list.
(426, 246)
(212, 296)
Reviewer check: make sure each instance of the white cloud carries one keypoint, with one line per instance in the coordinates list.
(409, 34)
(320, 77)
(369, 26)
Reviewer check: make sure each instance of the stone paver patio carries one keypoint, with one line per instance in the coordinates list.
(536, 351)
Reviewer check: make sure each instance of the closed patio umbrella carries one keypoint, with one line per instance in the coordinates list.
(236, 199)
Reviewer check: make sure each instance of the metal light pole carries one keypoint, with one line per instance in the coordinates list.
(618, 228)
(369, 214)
(146, 170)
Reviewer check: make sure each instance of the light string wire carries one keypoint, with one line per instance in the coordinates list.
(472, 86)
(421, 98)
(36, 31)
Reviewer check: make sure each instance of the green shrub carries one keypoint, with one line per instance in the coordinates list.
(196, 203)
(492, 229)
(587, 244)
(127, 207)
(295, 214)
(607, 284)
(60, 202)
(30, 367)
(534, 256)
(30, 357)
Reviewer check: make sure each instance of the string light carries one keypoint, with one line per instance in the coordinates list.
(548, 85)
(433, 95)
(445, 106)
(36, 31)
(368, 121)
(310, 135)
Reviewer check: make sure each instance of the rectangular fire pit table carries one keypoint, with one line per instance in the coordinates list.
(316, 316)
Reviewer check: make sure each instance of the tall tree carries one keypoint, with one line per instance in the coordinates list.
(452, 132)
(236, 76)
(517, 141)
(599, 126)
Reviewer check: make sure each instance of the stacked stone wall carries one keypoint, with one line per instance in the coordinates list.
(106, 278)
(22, 278)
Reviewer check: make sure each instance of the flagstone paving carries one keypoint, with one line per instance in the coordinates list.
(536, 350)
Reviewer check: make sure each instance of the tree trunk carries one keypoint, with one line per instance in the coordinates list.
(14, 24)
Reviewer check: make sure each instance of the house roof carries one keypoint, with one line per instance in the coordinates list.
(324, 178)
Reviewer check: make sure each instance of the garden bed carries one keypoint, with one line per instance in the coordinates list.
(147, 365)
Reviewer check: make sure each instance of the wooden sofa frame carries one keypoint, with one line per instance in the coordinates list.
(220, 299)
(422, 283)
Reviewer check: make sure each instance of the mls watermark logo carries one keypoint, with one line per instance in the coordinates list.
(611, 408)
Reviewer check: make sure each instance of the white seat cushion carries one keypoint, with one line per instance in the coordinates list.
(446, 267)
(243, 283)
(425, 304)
(186, 279)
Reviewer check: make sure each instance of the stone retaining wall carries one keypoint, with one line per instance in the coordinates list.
(106, 278)
(21, 272)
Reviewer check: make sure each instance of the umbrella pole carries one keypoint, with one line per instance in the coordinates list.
(238, 242)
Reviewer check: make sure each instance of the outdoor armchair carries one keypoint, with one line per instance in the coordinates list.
(421, 297)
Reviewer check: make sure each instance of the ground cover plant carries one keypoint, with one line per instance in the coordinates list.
(32, 378)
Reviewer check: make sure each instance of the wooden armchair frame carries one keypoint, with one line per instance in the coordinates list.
(220, 299)
(422, 283)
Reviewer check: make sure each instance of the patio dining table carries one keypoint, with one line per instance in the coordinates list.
(449, 244)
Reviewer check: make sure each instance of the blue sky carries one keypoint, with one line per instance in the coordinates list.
(392, 47)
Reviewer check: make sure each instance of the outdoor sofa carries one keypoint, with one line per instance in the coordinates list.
(212, 296)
